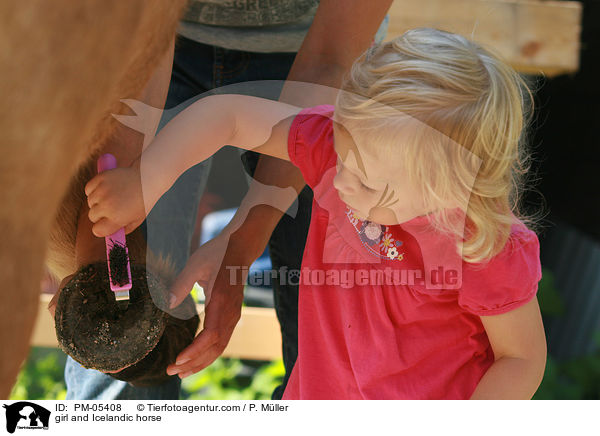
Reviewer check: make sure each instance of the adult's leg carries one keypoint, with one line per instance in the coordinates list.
(169, 226)
(286, 247)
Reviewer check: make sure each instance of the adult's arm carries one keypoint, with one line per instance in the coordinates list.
(341, 31)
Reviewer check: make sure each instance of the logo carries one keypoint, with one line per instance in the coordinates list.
(26, 415)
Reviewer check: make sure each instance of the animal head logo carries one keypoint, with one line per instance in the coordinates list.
(24, 414)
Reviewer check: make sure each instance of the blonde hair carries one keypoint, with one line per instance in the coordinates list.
(428, 81)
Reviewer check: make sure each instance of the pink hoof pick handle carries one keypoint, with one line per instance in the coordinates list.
(117, 255)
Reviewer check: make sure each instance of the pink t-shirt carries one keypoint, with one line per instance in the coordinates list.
(392, 312)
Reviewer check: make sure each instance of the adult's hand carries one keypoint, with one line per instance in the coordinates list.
(216, 266)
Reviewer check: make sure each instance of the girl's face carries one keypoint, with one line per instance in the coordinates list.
(376, 190)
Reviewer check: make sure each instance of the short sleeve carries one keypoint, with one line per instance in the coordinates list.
(310, 143)
(508, 281)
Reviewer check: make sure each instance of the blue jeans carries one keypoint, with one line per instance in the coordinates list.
(198, 68)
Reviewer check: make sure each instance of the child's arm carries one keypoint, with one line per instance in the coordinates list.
(115, 197)
(519, 344)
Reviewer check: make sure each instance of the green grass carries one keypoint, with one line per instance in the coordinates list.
(233, 379)
(42, 378)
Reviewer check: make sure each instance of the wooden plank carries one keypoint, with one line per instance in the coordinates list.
(257, 335)
(44, 334)
(533, 36)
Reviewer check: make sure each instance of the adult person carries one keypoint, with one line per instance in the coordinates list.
(224, 43)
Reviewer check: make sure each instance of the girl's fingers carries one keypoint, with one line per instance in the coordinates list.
(95, 214)
(93, 198)
(92, 184)
(104, 227)
(131, 227)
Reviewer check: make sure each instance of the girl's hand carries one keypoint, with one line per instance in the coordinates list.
(116, 200)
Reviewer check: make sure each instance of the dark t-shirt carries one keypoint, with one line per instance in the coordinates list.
(249, 25)
(261, 26)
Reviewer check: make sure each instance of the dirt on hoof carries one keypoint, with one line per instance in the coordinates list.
(135, 338)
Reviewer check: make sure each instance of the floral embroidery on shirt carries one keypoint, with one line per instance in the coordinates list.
(376, 238)
(392, 253)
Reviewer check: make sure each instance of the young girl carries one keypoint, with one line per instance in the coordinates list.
(417, 281)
